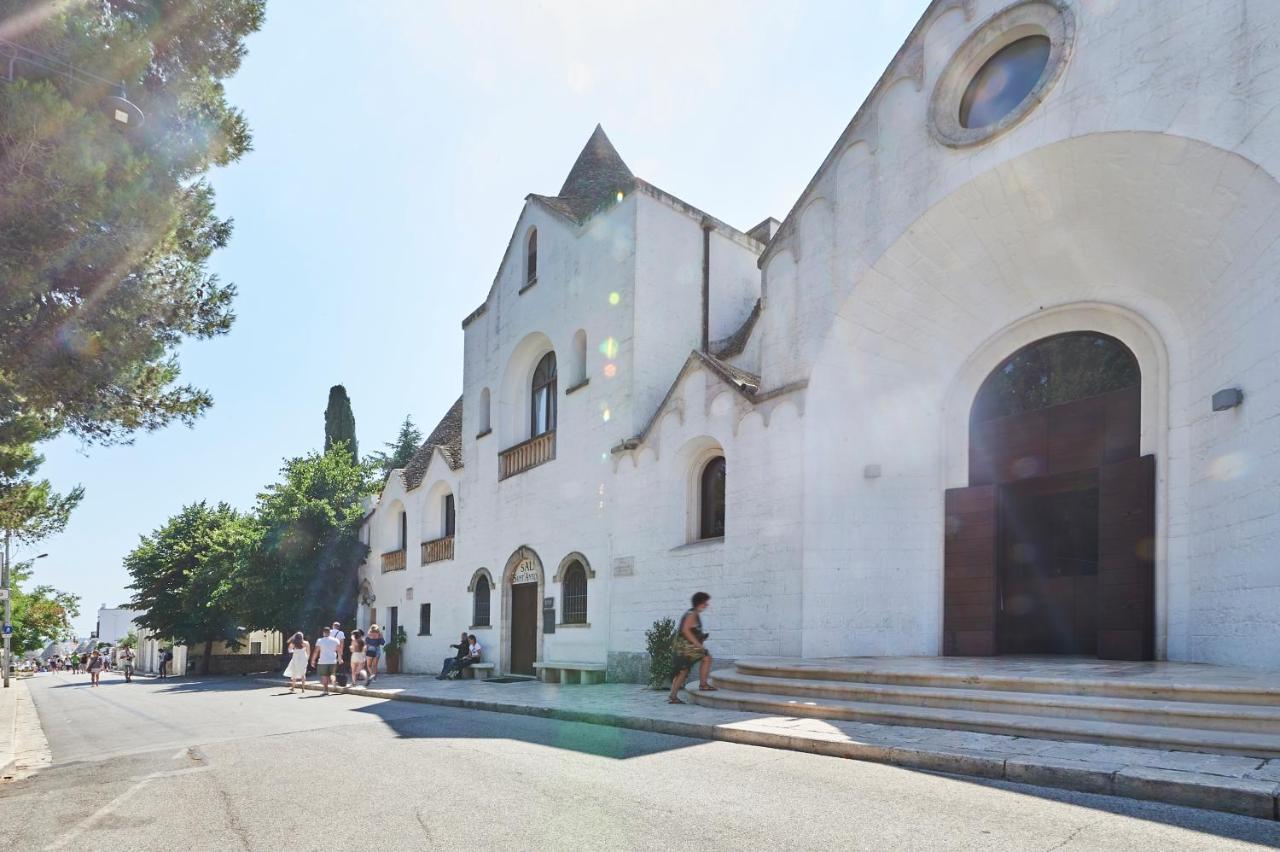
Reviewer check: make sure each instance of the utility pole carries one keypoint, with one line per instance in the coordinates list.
(8, 608)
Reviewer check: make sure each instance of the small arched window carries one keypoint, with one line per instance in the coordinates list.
(579, 357)
(711, 499)
(574, 605)
(531, 259)
(480, 607)
(484, 411)
(542, 414)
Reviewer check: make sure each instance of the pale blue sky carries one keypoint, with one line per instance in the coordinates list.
(394, 143)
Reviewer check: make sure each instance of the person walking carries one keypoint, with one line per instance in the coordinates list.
(299, 653)
(373, 642)
(687, 648)
(165, 657)
(75, 664)
(126, 664)
(325, 655)
(95, 666)
(335, 631)
(357, 657)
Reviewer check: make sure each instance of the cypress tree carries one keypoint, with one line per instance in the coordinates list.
(340, 422)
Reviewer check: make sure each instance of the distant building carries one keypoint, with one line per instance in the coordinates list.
(115, 623)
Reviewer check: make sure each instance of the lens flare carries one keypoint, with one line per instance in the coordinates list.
(609, 348)
(615, 298)
(610, 370)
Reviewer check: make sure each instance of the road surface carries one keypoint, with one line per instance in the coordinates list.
(230, 764)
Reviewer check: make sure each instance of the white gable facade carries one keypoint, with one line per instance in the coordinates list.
(1124, 199)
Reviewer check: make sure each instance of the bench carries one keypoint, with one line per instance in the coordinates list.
(552, 672)
(478, 671)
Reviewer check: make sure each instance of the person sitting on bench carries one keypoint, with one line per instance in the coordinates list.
(472, 657)
(451, 663)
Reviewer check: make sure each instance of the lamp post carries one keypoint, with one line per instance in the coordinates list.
(15, 60)
(8, 605)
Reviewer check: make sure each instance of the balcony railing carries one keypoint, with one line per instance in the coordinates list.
(437, 550)
(393, 561)
(531, 453)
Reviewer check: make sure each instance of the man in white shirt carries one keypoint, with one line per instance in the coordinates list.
(336, 633)
(473, 656)
(325, 658)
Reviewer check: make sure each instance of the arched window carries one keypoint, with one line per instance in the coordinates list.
(484, 411)
(579, 358)
(711, 499)
(1055, 370)
(531, 259)
(404, 531)
(542, 414)
(480, 607)
(449, 518)
(574, 605)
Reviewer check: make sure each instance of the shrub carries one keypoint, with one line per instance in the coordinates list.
(658, 639)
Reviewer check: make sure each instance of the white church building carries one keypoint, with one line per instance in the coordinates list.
(1006, 380)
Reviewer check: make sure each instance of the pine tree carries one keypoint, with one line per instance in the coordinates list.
(401, 450)
(340, 422)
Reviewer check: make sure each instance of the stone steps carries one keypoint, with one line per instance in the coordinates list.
(1158, 713)
(1184, 687)
(1051, 727)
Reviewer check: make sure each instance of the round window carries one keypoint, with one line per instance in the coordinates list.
(1002, 72)
(1004, 81)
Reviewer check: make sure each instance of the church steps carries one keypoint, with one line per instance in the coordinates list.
(1190, 689)
(1131, 711)
(1252, 744)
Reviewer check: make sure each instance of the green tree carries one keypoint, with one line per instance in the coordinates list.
(340, 422)
(105, 235)
(41, 615)
(30, 510)
(399, 451)
(187, 576)
(303, 573)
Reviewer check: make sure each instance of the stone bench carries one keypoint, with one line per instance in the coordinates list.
(478, 671)
(552, 672)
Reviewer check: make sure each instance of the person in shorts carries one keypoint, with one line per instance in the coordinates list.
(325, 657)
(373, 642)
(126, 664)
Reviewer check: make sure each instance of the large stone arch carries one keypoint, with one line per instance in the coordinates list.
(1040, 244)
(514, 561)
(514, 394)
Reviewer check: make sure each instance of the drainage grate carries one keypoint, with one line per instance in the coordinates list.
(511, 679)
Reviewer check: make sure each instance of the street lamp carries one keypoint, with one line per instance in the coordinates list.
(124, 113)
(8, 606)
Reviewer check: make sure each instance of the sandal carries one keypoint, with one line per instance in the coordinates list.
(674, 701)
(707, 688)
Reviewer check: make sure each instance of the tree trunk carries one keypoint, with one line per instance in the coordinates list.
(208, 655)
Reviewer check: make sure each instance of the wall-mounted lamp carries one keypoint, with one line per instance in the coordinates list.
(1227, 398)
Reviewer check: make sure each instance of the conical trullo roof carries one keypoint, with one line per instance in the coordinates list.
(597, 176)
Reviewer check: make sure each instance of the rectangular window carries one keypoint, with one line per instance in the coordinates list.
(404, 530)
(448, 515)
(255, 647)
(424, 619)
(393, 621)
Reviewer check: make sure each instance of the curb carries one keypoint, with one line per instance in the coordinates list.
(1244, 796)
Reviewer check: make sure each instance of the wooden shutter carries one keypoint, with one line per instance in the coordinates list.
(1126, 559)
(969, 573)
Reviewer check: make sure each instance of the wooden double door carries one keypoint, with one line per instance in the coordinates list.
(1050, 550)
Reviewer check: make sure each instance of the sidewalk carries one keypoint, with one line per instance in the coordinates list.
(1242, 785)
(8, 726)
(23, 748)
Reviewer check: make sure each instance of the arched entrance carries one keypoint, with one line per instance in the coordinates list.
(522, 584)
(1050, 548)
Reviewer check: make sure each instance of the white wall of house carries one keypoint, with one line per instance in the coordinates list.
(1137, 199)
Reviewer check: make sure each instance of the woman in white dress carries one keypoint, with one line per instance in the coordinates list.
(358, 669)
(300, 652)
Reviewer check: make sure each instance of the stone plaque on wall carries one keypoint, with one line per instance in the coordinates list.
(624, 566)
(525, 573)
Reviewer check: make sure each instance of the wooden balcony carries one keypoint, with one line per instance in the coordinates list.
(531, 453)
(393, 561)
(437, 550)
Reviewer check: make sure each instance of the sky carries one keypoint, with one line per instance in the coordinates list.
(394, 143)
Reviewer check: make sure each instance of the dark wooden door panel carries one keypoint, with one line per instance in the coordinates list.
(1126, 559)
(969, 572)
(524, 627)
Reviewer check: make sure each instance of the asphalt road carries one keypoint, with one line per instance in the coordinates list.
(229, 764)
